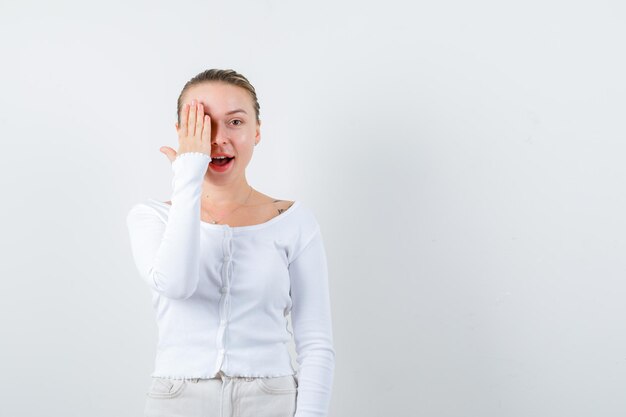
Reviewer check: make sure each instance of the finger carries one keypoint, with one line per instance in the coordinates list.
(206, 129)
(183, 118)
(191, 123)
(199, 121)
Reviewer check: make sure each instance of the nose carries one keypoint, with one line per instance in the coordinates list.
(217, 136)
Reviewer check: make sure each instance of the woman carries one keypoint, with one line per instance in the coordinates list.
(226, 264)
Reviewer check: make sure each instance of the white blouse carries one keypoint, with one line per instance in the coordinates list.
(222, 294)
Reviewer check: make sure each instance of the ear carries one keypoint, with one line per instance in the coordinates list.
(257, 137)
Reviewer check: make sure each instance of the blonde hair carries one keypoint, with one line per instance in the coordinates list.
(227, 76)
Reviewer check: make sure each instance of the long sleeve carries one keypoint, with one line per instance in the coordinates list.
(311, 322)
(167, 255)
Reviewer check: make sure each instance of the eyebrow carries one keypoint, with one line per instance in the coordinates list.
(237, 111)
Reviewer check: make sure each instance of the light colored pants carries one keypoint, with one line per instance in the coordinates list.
(222, 396)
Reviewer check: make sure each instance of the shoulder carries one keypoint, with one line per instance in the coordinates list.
(299, 217)
(271, 206)
(282, 205)
(302, 218)
(304, 228)
(147, 209)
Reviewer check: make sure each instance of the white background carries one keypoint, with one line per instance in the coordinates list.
(465, 161)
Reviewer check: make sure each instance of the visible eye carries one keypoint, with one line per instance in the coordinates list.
(237, 120)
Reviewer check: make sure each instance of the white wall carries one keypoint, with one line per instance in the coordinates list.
(465, 161)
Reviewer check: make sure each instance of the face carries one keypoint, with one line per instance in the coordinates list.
(235, 133)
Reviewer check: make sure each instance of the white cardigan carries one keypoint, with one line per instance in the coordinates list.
(222, 294)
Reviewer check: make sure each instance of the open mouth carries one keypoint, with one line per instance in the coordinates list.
(221, 164)
(221, 161)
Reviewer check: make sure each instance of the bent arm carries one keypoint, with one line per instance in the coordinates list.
(167, 255)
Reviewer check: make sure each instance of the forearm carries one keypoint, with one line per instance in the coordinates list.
(171, 265)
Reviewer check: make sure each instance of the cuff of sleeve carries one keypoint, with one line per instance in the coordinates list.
(192, 160)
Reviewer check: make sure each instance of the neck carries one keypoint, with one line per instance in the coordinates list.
(226, 195)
